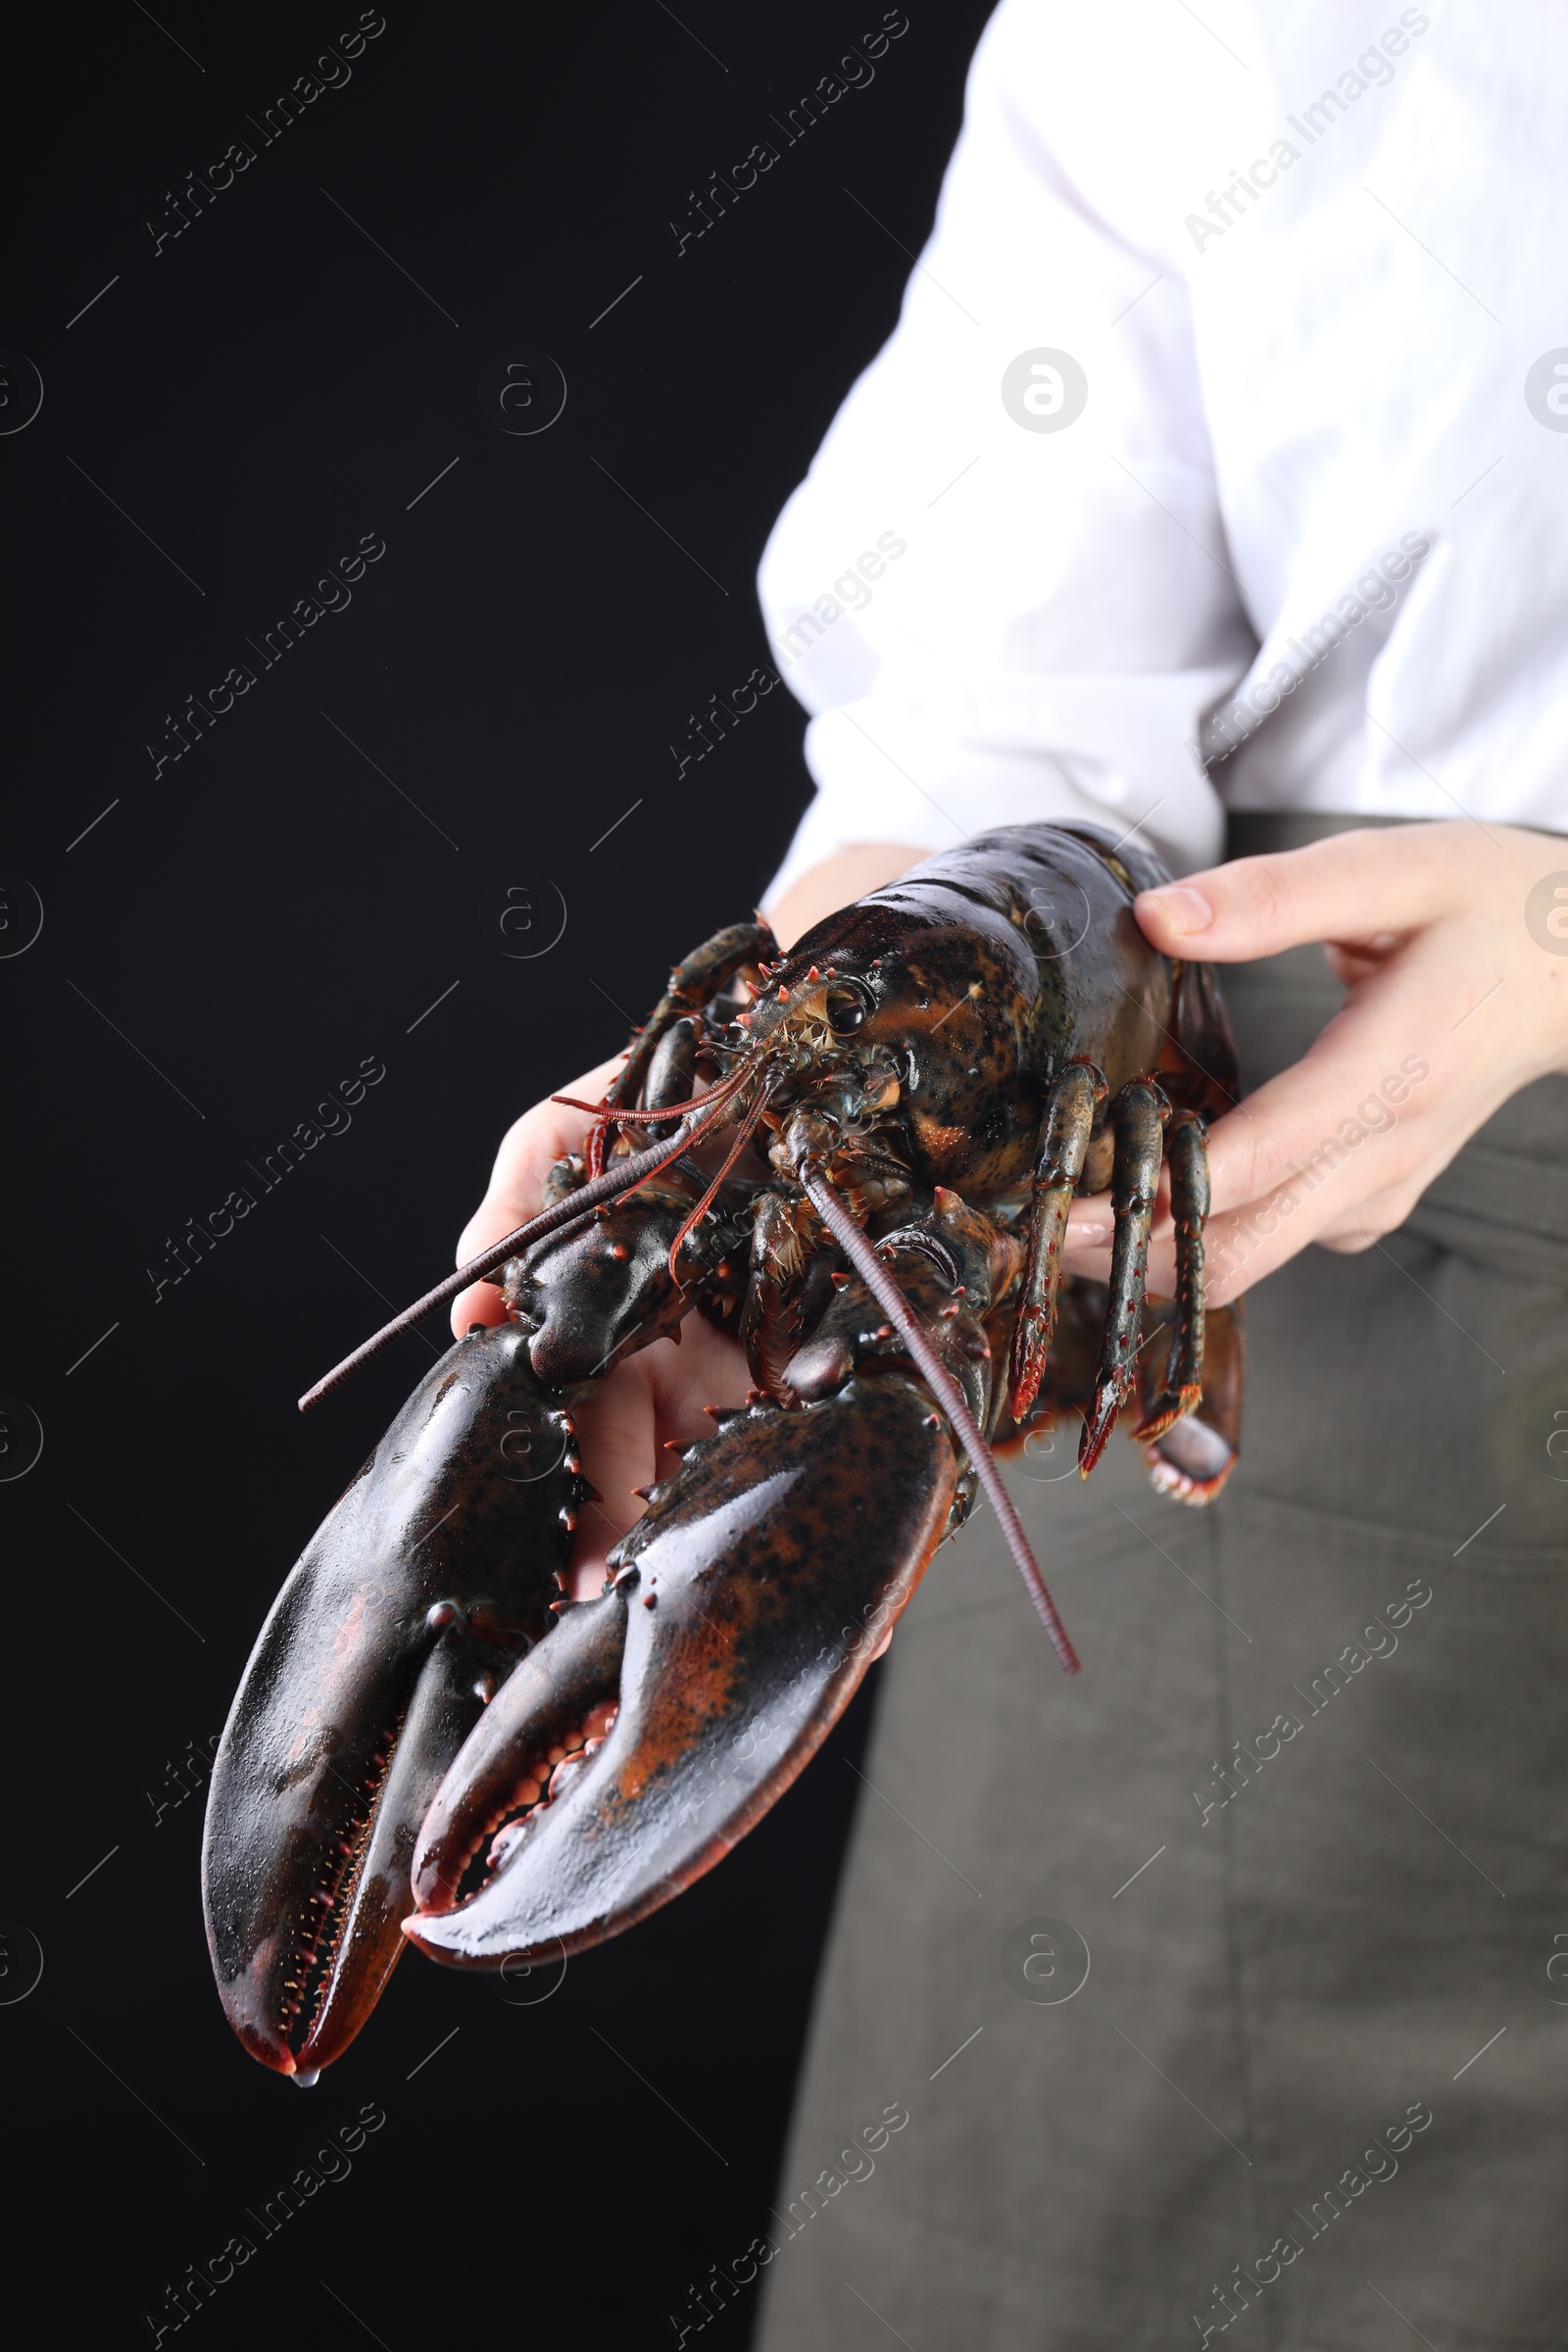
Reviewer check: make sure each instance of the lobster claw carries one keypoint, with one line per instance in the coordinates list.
(748, 1602)
(433, 1573)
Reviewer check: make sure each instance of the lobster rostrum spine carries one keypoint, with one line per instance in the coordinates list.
(903, 1109)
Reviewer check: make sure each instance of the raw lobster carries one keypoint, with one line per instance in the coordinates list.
(908, 1101)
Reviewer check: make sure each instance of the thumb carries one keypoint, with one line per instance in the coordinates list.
(530, 1149)
(1353, 886)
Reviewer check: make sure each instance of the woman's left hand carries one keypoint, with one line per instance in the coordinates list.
(1452, 941)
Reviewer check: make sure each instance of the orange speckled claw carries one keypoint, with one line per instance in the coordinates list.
(774, 1560)
(435, 1570)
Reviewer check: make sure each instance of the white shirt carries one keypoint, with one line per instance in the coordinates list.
(1306, 544)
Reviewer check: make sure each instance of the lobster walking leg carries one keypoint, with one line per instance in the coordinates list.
(670, 1072)
(1137, 1117)
(1075, 1095)
(784, 1235)
(1195, 1456)
(1187, 1154)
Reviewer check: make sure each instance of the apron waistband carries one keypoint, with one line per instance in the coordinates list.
(1270, 832)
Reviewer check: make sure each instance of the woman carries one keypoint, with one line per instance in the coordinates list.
(1212, 488)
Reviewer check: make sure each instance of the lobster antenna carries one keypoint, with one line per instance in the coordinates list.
(878, 1280)
(620, 1117)
(623, 1177)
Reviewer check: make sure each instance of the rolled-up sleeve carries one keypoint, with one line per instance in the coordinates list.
(997, 610)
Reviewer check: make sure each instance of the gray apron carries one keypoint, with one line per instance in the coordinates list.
(1222, 1993)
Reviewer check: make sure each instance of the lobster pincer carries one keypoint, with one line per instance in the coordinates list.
(733, 1636)
(441, 1567)
(434, 1573)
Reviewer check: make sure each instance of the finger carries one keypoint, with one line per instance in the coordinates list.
(1330, 1146)
(1351, 964)
(529, 1151)
(1353, 886)
(706, 1368)
(1244, 1246)
(1358, 1224)
(615, 1429)
(1087, 1257)
(1236, 1253)
(628, 1423)
(1387, 1087)
(1335, 1151)
(480, 1302)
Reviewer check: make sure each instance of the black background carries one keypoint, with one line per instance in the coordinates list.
(241, 929)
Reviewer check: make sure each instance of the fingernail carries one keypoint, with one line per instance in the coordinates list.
(1180, 909)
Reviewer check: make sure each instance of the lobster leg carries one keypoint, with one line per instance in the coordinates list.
(1076, 1093)
(1195, 1456)
(508, 1760)
(785, 1233)
(1137, 1117)
(436, 1572)
(1187, 1154)
(1191, 1458)
(670, 1072)
(693, 983)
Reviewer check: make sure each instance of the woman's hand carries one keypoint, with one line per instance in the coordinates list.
(1454, 1004)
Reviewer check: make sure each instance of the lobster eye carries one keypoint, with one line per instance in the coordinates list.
(846, 1009)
